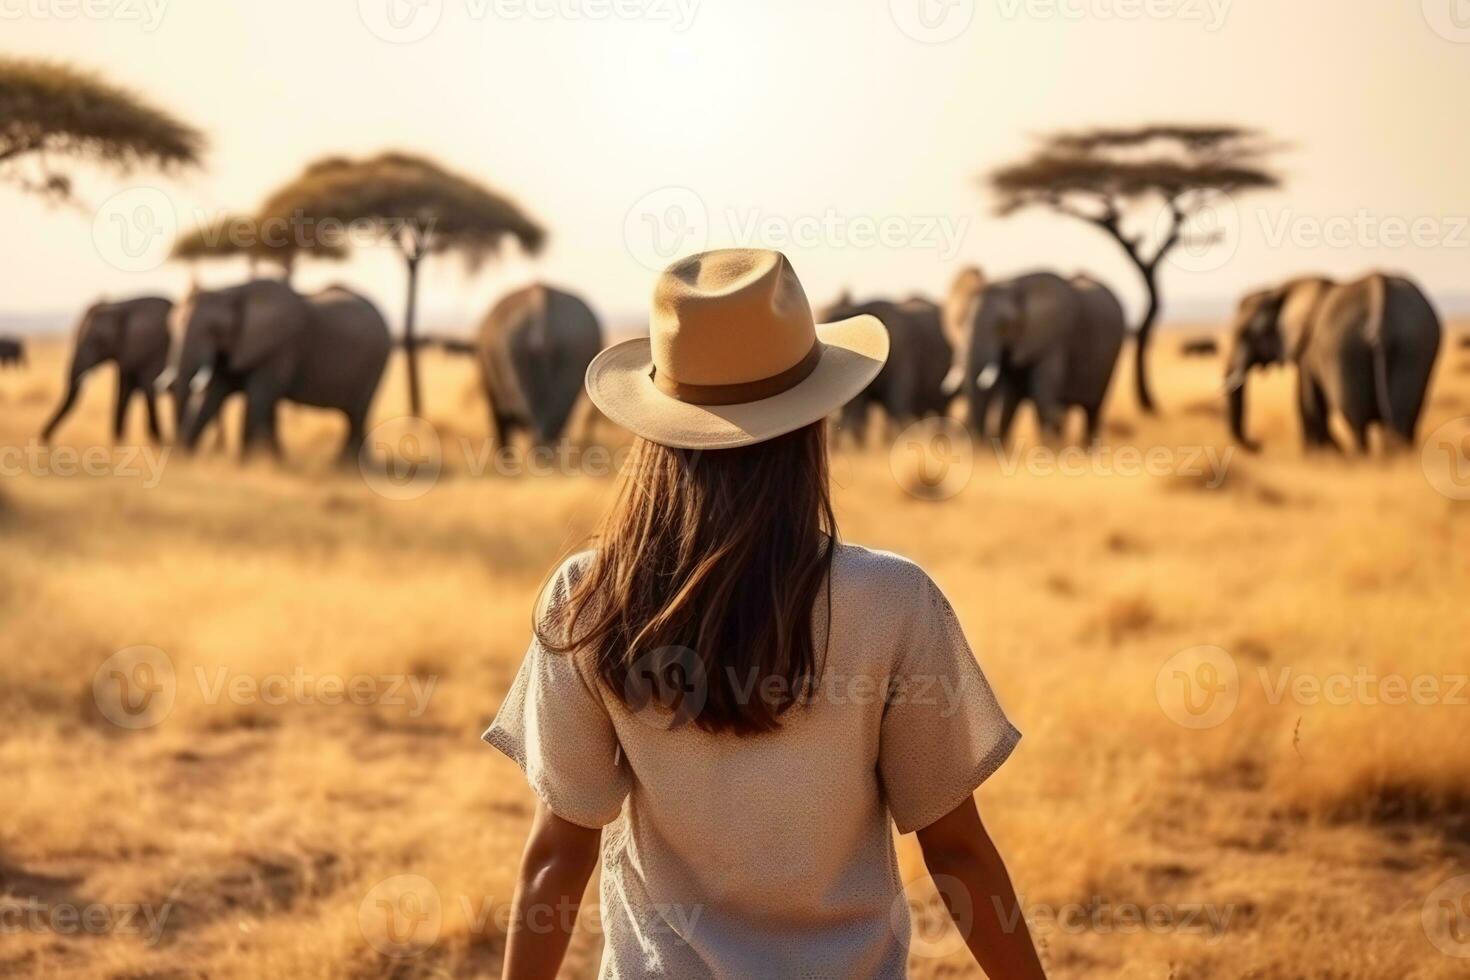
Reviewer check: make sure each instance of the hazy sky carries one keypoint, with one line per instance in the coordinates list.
(849, 133)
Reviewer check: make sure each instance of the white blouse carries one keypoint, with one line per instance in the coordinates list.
(728, 856)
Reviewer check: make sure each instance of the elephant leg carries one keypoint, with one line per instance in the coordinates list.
(1046, 389)
(125, 389)
(1360, 414)
(1407, 385)
(1010, 403)
(1360, 438)
(1093, 425)
(902, 406)
(272, 430)
(261, 397)
(980, 411)
(208, 411)
(150, 401)
(356, 434)
(1312, 405)
(68, 401)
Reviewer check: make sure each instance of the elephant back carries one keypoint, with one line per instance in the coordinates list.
(933, 352)
(1095, 344)
(143, 338)
(504, 327)
(534, 348)
(1412, 323)
(344, 349)
(1377, 315)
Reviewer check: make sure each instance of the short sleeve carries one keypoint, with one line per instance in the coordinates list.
(943, 732)
(554, 726)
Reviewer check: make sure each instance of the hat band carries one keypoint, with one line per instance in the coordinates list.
(745, 391)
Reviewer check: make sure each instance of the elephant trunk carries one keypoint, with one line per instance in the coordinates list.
(194, 354)
(983, 359)
(1235, 382)
(180, 392)
(73, 388)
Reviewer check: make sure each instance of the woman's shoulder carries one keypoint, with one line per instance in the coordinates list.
(878, 576)
(556, 593)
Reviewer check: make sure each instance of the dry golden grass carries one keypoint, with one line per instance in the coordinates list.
(1291, 839)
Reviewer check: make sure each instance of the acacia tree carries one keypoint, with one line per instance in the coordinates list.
(240, 235)
(52, 115)
(413, 204)
(1143, 187)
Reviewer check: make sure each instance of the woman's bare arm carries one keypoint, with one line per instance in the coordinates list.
(559, 859)
(987, 911)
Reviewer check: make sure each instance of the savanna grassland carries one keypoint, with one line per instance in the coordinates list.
(254, 829)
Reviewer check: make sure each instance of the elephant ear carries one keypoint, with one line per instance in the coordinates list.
(957, 315)
(266, 318)
(1297, 304)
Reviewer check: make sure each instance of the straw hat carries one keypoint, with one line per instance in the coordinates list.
(734, 356)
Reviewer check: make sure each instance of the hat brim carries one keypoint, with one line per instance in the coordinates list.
(620, 384)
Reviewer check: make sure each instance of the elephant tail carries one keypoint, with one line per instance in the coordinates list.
(1376, 332)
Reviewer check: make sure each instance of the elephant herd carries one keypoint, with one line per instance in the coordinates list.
(328, 349)
(1038, 339)
(1363, 350)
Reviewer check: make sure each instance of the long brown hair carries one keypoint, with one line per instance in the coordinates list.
(700, 596)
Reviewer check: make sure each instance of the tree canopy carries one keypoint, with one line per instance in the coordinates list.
(52, 112)
(244, 235)
(1104, 176)
(419, 206)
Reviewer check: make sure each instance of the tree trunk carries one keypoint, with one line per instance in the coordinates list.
(410, 341)
(1141, 342)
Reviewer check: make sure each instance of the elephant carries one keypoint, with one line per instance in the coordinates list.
(1039, 338)
(326, 350)
(533, 349)
(12, 352)
(1366, 348)
(910, 385)
(1200, 347)
(133, 334)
